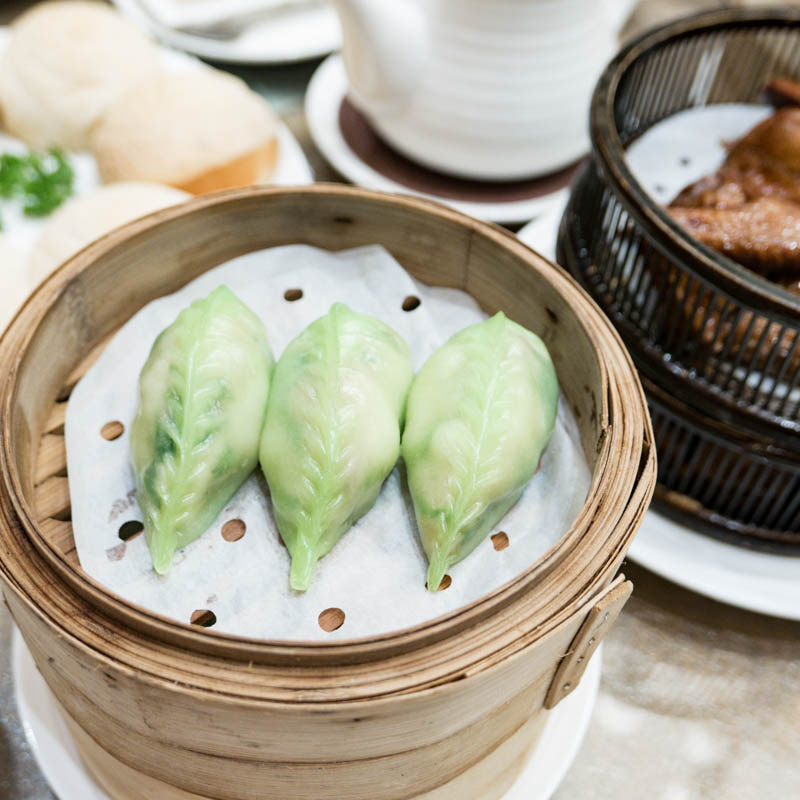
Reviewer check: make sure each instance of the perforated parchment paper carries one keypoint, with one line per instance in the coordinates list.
(376, 573)
(684, 147)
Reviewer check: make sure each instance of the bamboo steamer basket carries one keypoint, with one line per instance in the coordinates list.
(444, 710)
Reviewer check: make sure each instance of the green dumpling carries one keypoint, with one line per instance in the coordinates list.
(332, 433)
(202, 402)
(480, 413)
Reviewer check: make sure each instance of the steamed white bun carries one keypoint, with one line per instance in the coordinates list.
(13, 282)
(200, 131)
(83, 219)
(64, 64)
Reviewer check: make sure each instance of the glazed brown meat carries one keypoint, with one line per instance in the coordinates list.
(750, 211)
(763, 235)
(764, 163)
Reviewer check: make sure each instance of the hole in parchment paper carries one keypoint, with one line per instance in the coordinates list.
(445, 584)
(112, 430)
(331, 619)
(130, 529)
(203, 617)
(292, 294)
(411, 302)
(500, 540)
(233, 530)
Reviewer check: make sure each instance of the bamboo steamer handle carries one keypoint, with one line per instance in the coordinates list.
(602, 615)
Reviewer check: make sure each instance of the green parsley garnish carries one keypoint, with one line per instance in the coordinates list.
(41, 181)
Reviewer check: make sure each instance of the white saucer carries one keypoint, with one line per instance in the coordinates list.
(52, 745)
(309, 32)
(292, 168)
(745, 578)
(326, 91)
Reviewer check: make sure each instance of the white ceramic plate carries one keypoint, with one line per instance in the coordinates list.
(307, 33)
(326, 90)
(755, 581)
(21, 231)
(61, 765)
(745, 578)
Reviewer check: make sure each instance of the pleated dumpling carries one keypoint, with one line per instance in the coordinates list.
(480, 414)
(202, 402)
(332, 433)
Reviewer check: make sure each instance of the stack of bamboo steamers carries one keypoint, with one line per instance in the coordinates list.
(446, 710)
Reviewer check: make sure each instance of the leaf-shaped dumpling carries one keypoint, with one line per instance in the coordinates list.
(480, 413)
(202, 402)
(332, 433)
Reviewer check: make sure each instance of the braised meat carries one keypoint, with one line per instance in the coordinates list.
(763, 235)
(764, 163)
(749, 209)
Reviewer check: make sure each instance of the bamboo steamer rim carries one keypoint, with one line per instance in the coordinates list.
(240, 694)
(627, 445)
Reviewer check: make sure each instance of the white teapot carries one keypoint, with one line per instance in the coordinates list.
(487, 89)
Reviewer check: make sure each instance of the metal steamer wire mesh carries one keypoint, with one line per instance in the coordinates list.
(719, 337)
(736, 487)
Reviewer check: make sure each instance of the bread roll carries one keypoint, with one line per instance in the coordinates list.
(198, 131)
(64, 64)
(13, 280)
(83, 219)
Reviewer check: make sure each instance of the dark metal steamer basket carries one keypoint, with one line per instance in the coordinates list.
(723, 339)
(717, 479)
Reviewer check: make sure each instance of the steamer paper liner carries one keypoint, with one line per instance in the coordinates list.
(683, 148)
(376, 573)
